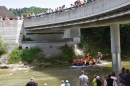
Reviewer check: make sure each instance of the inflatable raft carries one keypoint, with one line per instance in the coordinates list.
(78, 66)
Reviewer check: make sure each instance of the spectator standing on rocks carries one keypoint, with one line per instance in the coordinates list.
(83, 79)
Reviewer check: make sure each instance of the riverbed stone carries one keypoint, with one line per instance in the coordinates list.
(4, 59)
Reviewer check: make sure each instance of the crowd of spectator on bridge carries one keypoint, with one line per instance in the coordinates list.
(63, 8)
(49, 11)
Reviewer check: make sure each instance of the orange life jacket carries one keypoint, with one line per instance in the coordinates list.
(87, 59)
(74, 61)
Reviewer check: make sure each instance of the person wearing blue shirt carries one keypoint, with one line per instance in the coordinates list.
(121, 76)
(67, 83)
(127, 78)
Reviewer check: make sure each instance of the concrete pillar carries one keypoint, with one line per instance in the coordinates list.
(66, 33)
(73, 33)
(115, 47)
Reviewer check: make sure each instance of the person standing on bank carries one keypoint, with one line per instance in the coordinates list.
(67, 83)
(31, 83)
(121, 76)
(99, 83)
(127, 78)
(62, 83)
(83, 79)
(94, 81)
(109, 80)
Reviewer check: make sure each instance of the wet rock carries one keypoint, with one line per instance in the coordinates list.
(4, 66)
(4, 59)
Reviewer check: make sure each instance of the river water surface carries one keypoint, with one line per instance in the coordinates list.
(50, 75)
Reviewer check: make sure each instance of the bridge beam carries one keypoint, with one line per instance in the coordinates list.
(115, 47)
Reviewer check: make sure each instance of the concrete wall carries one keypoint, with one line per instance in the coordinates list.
(49, 49)
(50, 43)
(98, 7)
(10, 31)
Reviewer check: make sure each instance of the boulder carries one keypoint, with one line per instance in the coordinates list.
(4, 59)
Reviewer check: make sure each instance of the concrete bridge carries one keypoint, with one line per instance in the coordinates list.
(65, 26)
(98, 13)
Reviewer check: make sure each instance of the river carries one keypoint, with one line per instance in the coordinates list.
(50, 75)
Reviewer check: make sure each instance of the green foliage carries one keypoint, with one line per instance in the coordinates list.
(25, 10)
(15, 56)
(99, 39)
(3, 46)
(24, 38)
(67, 53)
(28, 55)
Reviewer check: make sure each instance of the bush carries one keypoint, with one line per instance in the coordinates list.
(3, 46)
(24, 38)
(28, 55)
(68, 53)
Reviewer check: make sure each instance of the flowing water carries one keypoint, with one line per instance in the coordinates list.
(50, 75)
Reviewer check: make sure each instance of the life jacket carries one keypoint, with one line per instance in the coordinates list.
(80, 60)
(74, 61)
(87, 59)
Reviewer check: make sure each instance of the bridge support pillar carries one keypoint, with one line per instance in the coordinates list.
(73, 33)
(115, 47)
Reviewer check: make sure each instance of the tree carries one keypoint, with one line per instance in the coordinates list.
(25, 10)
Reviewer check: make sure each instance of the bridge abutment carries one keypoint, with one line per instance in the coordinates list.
(115, 47)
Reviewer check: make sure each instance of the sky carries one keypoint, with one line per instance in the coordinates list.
(38, 3)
